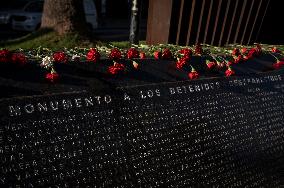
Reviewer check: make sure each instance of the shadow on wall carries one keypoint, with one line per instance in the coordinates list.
(271, 28)
(214, 22)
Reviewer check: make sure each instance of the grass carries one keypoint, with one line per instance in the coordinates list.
(49, 39)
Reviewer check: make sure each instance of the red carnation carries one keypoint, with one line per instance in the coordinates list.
(132, 53)
(238, 59)
(221, 65)
(275, 50)
(229, 72)
(60, 57)
(93, 55)
(115, 54)
(244, 51)
(5, 56)
(52, 77)
(116, 68)
(142, 55)
(167, 54)
(157, 55)
(278, 64)
(180, 63)
(245, 58)
(229, 63)
(211, 64)
(19, 58)
(193, 75)
(198, 49)
(258, 49)
(186, 53)
(236, 52)
(252, 53)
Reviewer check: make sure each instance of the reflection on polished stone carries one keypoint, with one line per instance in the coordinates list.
(153, 135)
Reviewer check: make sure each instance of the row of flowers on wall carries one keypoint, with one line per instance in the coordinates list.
(182, 58)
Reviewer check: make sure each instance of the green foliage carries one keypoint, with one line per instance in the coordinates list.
(49, 39)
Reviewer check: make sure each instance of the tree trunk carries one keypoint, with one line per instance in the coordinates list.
(64, 16)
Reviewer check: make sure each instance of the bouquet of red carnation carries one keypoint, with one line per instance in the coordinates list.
(193, 74)
(142, 55)
(229, 72)
(186, 53)
(198, 49)
(211, 64)
(115, 54)
(167, 54)
(93, 55)
(60, 57)
(181, 63)
(157, 55)
(5, 56)
(116, 68)
(52, 76)
(19, 58)
(275, 50)
(132, 53)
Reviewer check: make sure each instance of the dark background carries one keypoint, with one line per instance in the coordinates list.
(272, 32)
(118, 14)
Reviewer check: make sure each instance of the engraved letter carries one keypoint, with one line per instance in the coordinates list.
(190, 87)
(197, 88)
(142, 96)
(107, 99)
(158, 93)
(15, 110)
(42, 107)
(179, 90)
(18, 177)
(98, 99)
(89, 102)
(29, 108)
(3, 180)
(126, 97)
(172, 90)
(78, 102)
(206, 86)
(66, 104)
(217, 84)
(21, 156)
(150, 93)
(54, 107)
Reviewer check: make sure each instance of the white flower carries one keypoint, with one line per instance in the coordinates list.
(76, 57)
(46, 62)
(135, 65)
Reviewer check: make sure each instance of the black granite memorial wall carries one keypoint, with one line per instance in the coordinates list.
(226, 132)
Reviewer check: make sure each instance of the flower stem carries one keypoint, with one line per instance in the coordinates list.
(274, 56)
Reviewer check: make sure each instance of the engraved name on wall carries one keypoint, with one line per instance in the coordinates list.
(206, 132)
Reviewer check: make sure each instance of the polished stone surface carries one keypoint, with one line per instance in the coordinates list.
(209, 132)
